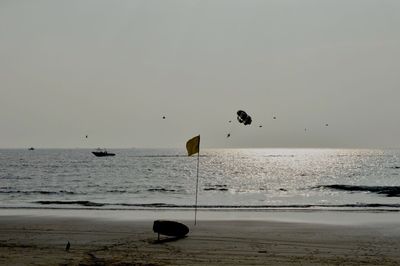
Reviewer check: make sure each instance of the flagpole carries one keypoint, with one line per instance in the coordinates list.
(193, 147)
(197, 186)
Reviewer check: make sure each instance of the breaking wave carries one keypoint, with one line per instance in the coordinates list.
(160, 190)
(388, 191)
(43, 192)
(87, 203)
(216, 188)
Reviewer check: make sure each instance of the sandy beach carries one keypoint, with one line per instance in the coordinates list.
(41, 240)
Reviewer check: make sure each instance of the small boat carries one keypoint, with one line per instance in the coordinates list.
(170, 228)
(31, 149)
(102, 153)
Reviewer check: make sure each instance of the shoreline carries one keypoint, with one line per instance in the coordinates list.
(310, 216)
(111, 240)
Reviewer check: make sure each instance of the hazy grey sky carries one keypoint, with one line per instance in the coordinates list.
(112, 69)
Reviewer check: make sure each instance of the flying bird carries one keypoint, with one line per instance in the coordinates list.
(229, 134)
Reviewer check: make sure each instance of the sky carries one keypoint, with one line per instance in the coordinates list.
(112, 69)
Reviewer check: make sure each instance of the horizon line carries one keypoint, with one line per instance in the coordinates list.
(204, 148)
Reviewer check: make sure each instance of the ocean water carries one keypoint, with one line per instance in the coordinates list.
(228, 179)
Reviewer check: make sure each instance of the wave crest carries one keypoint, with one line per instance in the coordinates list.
(389, 191)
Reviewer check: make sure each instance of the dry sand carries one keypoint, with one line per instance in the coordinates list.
(31, 240)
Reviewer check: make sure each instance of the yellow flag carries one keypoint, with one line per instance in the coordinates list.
(193, 145)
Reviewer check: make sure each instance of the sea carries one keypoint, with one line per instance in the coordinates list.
(225, 179)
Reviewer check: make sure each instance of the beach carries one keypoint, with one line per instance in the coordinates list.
(41, 240)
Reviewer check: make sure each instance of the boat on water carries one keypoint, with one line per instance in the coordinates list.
(102, 153)
(31, 149)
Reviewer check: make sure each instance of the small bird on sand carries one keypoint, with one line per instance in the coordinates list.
(68, 246)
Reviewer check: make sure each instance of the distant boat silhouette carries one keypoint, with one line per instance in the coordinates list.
(31, 149)
(102, 153)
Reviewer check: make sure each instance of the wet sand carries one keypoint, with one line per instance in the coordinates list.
(26, 240)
